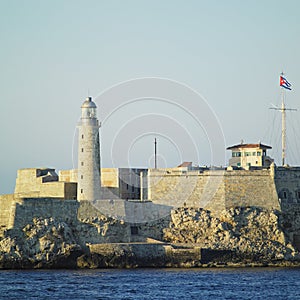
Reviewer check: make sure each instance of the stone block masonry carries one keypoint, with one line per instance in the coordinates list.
(43, 183)
(18, 212)
(214, 189)
(287, 180)
(250, 188)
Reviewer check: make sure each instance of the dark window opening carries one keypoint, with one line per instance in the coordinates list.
(82, 163)
(81, 149)
(81, 191)
(81, 176)
(134, 230)
(82, 136)
(132, 188)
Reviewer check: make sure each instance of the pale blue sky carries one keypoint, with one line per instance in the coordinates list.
(53, 52)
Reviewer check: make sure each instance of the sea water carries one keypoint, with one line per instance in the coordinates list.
(239, 283)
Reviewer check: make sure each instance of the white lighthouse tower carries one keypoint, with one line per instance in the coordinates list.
(89, 176)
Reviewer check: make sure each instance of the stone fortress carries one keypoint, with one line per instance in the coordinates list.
(109, 206)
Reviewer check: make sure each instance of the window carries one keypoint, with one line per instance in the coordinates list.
(238, 164)
(247, 153)
(81, 176)
(259, 153)
(82, 163)
(236, 154)
(82, 136)
(253, 153)
(81, 191)
(81, 149)
(127, 186)
(132, 188)
(134, 230)
(285, 195)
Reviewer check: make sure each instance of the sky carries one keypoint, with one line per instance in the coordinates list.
(197, 75)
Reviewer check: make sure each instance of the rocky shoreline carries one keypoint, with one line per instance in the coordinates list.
(189, 237)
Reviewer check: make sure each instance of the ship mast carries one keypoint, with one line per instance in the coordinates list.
(283, 110)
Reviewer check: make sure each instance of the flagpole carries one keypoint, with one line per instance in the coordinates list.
(284, 85)
(283, 128)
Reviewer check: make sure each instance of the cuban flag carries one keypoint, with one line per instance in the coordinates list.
(284, 83)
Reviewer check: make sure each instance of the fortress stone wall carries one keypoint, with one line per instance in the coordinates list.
(41, 183)
(16, 212)
(287, 180)
(39, 194)
(214, 189)
(250, 188)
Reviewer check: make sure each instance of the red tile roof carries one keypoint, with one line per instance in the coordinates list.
(185, 164)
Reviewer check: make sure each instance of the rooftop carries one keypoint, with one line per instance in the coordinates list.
(185, 164)
(239, 146)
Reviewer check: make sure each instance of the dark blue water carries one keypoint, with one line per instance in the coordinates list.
(255, 283)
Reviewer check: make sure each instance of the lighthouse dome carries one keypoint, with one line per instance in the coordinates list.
(88, 103)
(88, 109)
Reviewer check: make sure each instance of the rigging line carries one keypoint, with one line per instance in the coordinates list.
(295, 139)
(293, 156)
(289, 142)
(289, 151)
(297, 126)
(270, 133)
(274, 137)
(275, 122)
(277, 140)
(268, 127)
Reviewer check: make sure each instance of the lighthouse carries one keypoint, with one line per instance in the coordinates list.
(89, 176)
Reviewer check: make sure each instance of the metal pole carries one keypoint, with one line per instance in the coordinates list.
(155, 154)
(283, 129)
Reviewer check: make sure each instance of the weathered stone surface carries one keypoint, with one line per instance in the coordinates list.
(253, 233)
(43, 243)
(189, 237)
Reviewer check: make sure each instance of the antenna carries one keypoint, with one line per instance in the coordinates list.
(155, 154)
(283, 110)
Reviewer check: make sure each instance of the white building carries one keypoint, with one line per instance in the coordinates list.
(247, 155)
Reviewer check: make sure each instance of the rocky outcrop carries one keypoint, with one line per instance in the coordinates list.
(102, 229)
(45, 243)
(189, 237)
(254, 234)
(291, 224)
(49, 243)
